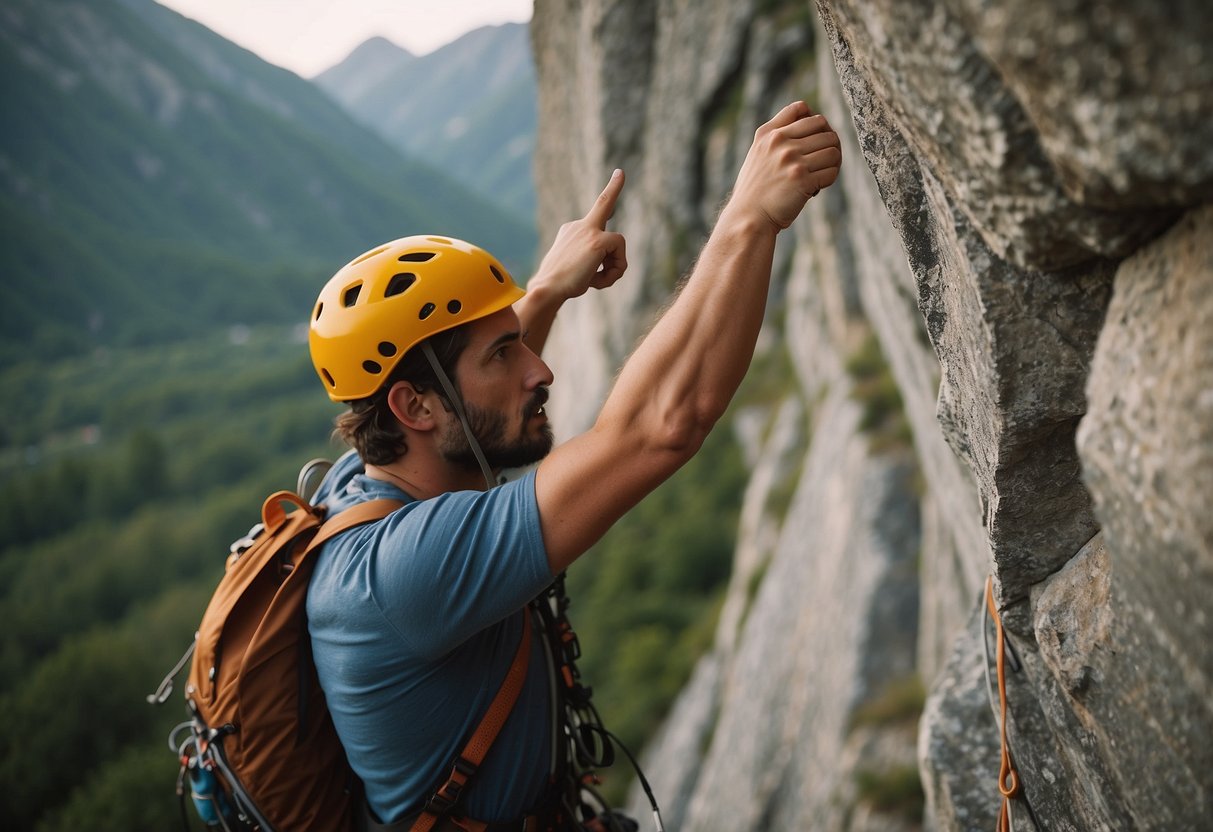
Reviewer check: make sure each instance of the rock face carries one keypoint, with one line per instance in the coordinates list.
(1018, 242)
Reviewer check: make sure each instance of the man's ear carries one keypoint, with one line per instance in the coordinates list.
(414, 409)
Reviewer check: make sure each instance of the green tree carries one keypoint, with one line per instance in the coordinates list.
(147, 464)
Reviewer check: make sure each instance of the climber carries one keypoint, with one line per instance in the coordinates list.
(416, 619)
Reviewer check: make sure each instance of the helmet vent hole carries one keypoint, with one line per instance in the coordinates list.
(497, 274)
(319, 309)
(453, 307)
(426, 311)
(350, 296)
(442, 240)
(387, 349)
(417, 257)
(372, 367)
(399, 283)
(328, 377)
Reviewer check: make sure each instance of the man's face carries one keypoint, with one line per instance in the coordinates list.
(504, 388)
(492, 431)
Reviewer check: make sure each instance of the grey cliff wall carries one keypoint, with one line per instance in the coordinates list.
(1019, 242)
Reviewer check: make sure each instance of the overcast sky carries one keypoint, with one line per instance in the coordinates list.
(309, 36)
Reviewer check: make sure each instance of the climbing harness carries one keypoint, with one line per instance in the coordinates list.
(581, 744)
(1008, 775)
(446, 801)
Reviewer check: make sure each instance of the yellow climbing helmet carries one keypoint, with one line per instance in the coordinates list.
(386, 301)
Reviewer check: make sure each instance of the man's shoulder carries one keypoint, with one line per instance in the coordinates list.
(453, 527)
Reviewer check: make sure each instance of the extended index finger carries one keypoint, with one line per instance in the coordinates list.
(604, 207)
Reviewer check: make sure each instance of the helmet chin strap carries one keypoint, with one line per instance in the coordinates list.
(457, 403)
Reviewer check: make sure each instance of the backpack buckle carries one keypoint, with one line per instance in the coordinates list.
(441, 804)
(446, 799)
(465, 767)
(239, 547)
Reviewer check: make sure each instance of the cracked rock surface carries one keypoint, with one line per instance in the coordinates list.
(1022, 231)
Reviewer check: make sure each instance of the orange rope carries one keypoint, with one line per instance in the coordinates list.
(1008, 777)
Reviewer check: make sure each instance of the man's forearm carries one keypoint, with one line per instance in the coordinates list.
(681, 378)
(536, 312)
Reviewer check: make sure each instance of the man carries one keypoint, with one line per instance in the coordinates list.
(415, 620)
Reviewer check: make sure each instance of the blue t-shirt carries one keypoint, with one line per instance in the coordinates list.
(414, 622)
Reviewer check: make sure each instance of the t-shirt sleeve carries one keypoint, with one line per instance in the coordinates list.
(454, 565)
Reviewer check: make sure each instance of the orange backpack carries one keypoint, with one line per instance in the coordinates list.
(259, 751)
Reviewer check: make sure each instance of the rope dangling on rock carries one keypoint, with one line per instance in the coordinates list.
(1008, 776)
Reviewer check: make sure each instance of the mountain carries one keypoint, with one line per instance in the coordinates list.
(468, 108)
(156, 178)
(372, 64)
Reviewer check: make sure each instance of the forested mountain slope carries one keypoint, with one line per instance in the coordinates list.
(169, 207)
(155, 178)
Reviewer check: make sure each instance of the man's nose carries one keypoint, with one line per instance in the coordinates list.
(539, 374)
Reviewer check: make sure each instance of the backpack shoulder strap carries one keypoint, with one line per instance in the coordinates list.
(356, 515)
(447, 798)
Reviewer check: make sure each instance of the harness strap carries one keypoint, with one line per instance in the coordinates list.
(355, 515)
(1008, 776)
(447, 798)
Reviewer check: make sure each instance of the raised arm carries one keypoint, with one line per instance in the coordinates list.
(679, 381)
(584, 255)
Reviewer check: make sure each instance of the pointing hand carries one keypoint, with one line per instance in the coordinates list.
(584, 254)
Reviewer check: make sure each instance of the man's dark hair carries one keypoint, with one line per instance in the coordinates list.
(371, 427)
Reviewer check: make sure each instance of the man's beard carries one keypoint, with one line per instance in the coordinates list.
(489, 428)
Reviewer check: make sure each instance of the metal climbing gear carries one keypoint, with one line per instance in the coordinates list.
(582, 745)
